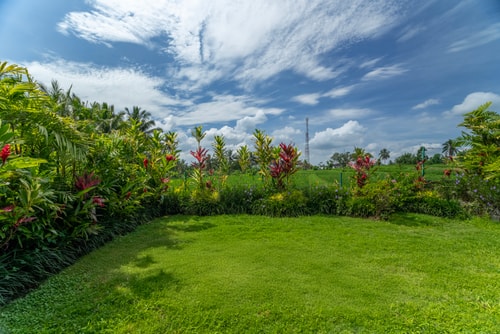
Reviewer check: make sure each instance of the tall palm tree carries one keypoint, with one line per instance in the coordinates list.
(450, 148)
(142, 116)
(105, 118)
(384, 154)
(359, 152)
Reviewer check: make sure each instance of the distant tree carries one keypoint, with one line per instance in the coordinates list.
(105, 118)
(142, 116)
(407, 159)
(436, 159)
(384, 154)
(421, 155)
(359, 153)
(339, 159)
(450, 148)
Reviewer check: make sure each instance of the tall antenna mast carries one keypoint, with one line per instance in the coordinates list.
(308, 158)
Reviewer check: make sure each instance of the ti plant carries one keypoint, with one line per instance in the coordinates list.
(284, 166)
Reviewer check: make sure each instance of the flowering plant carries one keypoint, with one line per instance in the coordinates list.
(362, 166)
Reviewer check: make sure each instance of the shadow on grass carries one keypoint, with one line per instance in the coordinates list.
(145, 287)
(189, 224)
(414, 220)
(135, 266)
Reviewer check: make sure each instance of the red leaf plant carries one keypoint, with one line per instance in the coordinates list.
(286, 165)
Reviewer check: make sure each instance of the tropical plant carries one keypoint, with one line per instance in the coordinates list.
(244, 155)
(482, 140)
(285, 166)
(143, 117)
(362, 166)
(221, 156)
(450, 148)
(263, 152)
(198, 134)
(384, 154)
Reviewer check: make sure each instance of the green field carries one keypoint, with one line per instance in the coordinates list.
(251, 274)
(306, 178)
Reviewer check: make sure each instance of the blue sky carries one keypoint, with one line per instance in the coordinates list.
(376, 74)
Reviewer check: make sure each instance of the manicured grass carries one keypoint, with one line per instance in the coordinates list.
(248, 274)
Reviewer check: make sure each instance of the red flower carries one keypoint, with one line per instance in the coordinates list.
(98, 200)
(145, 162)
(170, 157)
(127, 196)
(165, 180)
(5, 153)
(447, 172)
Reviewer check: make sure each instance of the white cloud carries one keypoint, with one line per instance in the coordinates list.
(226, 108)
(473, 101)
(313, 98)
(485, 36)
(369, 63)
(250, 41)
(309, 99)
(285, 135)
(351, 133)
(249, 123)
(339, 92)
(384, 72)
(426, 103)
(348, 113)
(123, 87)
(410, 32)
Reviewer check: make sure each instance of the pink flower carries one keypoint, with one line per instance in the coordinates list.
(9, 208)
(5, 153)
(165, 180)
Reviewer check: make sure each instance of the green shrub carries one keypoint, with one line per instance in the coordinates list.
(203, 202)
(240, 198)
(327, 199)
(283, 204)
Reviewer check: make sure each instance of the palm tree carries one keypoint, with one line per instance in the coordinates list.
(144, 117)
(384, 154)
(359, 153)
(450, 148)
(106, 119)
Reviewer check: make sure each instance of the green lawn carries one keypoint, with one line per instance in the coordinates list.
(248, 274)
